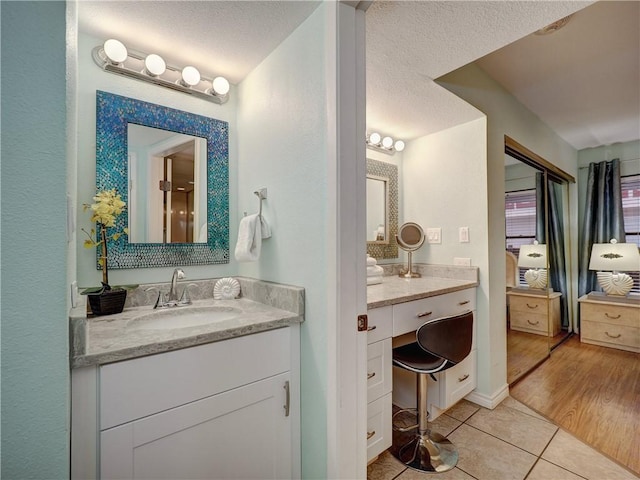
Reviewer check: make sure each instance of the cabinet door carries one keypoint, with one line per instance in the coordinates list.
(243, 433)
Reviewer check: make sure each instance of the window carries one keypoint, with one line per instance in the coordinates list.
(631, 213)
(520, 215)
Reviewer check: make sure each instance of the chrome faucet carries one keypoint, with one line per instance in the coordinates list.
(178, 274)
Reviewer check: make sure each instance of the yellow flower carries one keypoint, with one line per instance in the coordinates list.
(108, 205)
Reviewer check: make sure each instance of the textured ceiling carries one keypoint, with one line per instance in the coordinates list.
(409, 43)
(583, 80)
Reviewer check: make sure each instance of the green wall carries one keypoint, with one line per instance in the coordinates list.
(35, 372)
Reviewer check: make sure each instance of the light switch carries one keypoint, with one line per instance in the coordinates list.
(434, 235)
(463, 234)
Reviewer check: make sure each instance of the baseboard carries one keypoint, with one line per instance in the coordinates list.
(489, 401)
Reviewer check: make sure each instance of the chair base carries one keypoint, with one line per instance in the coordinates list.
(428, 453)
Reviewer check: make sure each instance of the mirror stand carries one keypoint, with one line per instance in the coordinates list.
(410, 237)
(409, 273)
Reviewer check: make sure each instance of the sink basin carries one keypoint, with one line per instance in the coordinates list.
(183, 317)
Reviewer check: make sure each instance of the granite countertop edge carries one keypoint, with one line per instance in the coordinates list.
(101, 340)
(415, 292)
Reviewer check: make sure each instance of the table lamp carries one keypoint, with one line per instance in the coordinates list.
(534, 257)
(609, 259)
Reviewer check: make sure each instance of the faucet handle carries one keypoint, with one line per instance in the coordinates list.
(185, 299)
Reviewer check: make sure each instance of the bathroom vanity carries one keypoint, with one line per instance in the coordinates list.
(396, 308)
(210, 400)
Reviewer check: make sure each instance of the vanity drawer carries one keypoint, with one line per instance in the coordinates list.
(143, 386)
(407, 317)
(379, 434)
(460, 380)
(379, 369)
(607, 334)
(380, 322)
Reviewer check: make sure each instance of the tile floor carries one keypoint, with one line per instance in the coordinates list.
(510, 442)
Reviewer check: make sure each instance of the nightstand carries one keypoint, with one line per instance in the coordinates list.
(613, 323)
(534, 312)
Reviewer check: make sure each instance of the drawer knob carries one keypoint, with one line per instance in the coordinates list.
(532, 306)
(371, 375)
(423, 314)
(463, 378)
(370, 434)
(612, 336)
(612, 317)
(373, 327)
(533, 323)
(463, 303)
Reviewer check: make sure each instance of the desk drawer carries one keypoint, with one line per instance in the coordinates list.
(407, 317)
(379, 359)
(379, 435)
(460, 380)
(380, 322)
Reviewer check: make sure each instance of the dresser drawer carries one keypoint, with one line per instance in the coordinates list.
(380, 322)
(529, 322)
(379, 377)
(528, 304)
(379, 434)
(613, 315)
(607, 334)
(407, 317)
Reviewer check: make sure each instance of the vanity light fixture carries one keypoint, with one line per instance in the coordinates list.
(384, 144)
(114, 57)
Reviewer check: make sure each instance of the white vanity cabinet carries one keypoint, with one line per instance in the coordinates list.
(394, 325)
(228, 409)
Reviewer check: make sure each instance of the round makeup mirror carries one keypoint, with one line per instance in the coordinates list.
(410, 238)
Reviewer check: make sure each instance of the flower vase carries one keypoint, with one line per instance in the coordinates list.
(108, 302)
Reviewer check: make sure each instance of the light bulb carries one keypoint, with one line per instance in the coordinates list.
(155, 65)
(220, 86)
(399, 146)
(190, 76)
(387, 142)
(115, 51)
(374, 138)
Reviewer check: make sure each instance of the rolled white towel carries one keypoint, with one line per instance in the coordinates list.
(249, 239)
(374, 280)
(374, 271)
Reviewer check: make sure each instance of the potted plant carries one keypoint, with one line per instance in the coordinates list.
(105, 300)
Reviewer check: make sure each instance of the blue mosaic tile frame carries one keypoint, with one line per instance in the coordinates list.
(113, 113)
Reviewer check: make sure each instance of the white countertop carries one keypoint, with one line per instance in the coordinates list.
(112, 338)
(394, 289)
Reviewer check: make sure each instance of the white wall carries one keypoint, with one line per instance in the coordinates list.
(92, 78)
(283, 124)
(507, 116)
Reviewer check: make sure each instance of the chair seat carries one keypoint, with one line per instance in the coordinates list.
(414, 358)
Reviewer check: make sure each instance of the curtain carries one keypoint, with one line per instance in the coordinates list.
(603, 217)
(550, 230)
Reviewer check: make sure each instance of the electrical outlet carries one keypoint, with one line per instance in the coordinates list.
(434, 235)
(462, 262)
(463, 234)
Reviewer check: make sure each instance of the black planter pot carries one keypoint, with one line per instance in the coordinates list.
(108, 302)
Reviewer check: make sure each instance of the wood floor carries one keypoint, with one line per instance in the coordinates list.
(592, 392)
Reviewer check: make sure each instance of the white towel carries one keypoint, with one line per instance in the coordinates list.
(249, 239)
(265, 228)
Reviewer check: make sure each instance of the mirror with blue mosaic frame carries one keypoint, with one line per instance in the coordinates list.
(115, 114)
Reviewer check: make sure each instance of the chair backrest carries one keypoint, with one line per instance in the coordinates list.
(511, 269)
(447, 337)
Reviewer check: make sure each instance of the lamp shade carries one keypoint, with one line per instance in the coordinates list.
(533, 256)
(619, 257)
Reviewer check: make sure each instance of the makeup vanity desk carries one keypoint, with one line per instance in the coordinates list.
(395, 309)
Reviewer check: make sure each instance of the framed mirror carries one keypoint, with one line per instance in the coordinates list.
(201, 235)
(382, 209)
